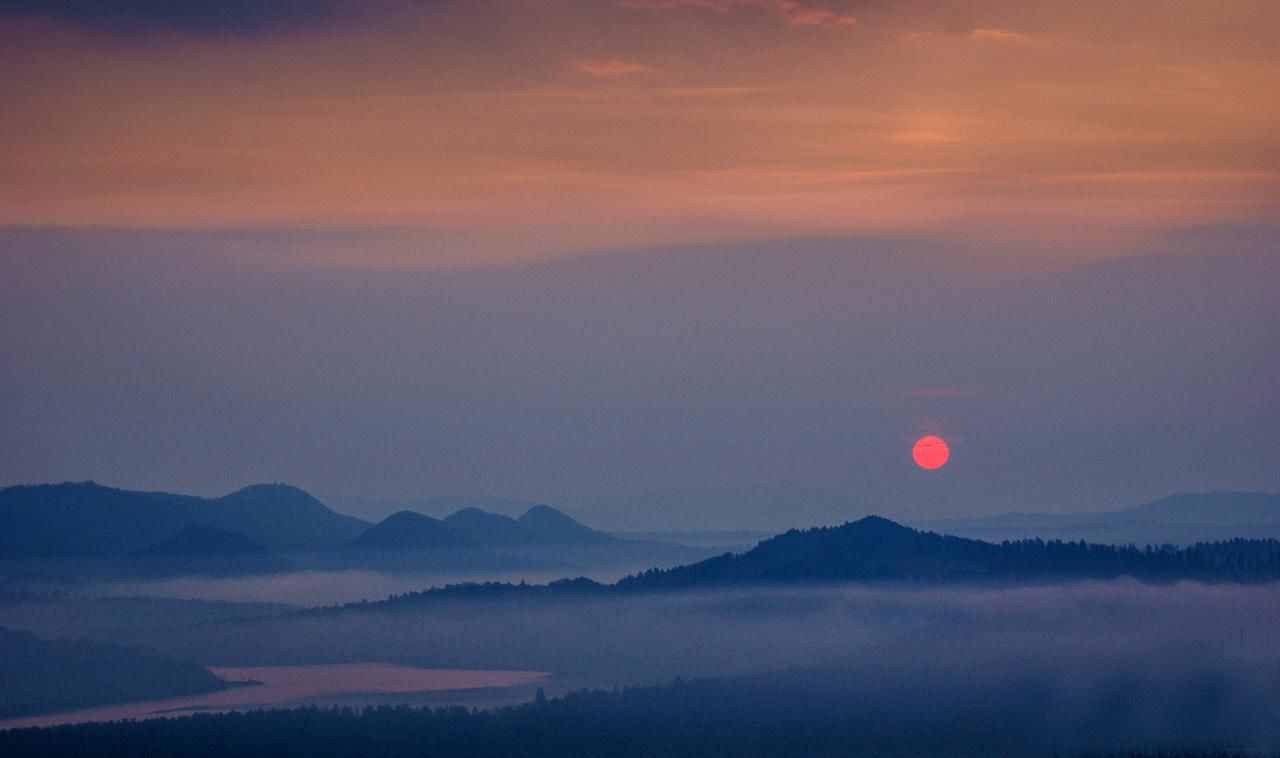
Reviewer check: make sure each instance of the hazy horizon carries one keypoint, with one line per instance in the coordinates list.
(575, 253)
(591, 379)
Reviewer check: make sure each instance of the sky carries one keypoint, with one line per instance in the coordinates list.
(578, 251)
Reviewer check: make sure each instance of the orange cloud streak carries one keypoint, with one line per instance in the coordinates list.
(736, 119)
(609, 68)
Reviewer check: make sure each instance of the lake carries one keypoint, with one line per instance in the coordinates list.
(355, 684)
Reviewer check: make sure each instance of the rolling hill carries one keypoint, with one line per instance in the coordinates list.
(202, 540)
(85, 519)
(474, 528)
(545, 524)
(877, 549)
(408, 530)
(205, 551)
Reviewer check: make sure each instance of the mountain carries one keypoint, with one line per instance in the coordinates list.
(1211, 508)
(547, 525)
(41, 676)
(472, 527)
(1180, 519)
(205, 551)
(408, 530)
(202, 540)
(540, 525)
(374, 509)
(876, 549)
(484, 528)
(78, 519)
(282, 516)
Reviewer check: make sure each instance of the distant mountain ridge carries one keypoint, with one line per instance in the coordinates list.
(1180, 519)
(77, 519)
(472, 527)
(375, 509)
(409, 530)
(546, 524)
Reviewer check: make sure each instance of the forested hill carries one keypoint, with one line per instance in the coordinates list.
(876, 549)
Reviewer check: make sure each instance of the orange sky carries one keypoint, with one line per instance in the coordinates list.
(528, 128)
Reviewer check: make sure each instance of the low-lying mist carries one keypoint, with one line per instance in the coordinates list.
(627, 639)
(318, 588)
(1094, 664)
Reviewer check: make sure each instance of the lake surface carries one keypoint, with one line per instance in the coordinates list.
(355, 684)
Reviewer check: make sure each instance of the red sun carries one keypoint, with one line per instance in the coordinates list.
(930, 452)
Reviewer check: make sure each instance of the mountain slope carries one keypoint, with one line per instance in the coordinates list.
(284, 516)
(205, 551)
(472, 527)
(39, 676)
(485, 528)
(202, 540)
(547, 525)
(876, 549)
(374, 509)
(408, 530)
(77, 519)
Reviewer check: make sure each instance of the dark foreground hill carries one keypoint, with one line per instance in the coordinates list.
(472, 527)
(42, 676)
(88, 519)
(797, 713)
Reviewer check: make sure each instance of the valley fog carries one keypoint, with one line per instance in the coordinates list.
(1118, 661)
(320, 588)
(642, 638)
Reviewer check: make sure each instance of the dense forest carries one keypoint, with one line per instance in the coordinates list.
(763, 715)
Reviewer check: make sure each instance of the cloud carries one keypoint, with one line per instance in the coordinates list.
(797, 15)
(750, 120)
(610, 68)
(718, 6)
(997, 35)
(196, 18)
(793, 14)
